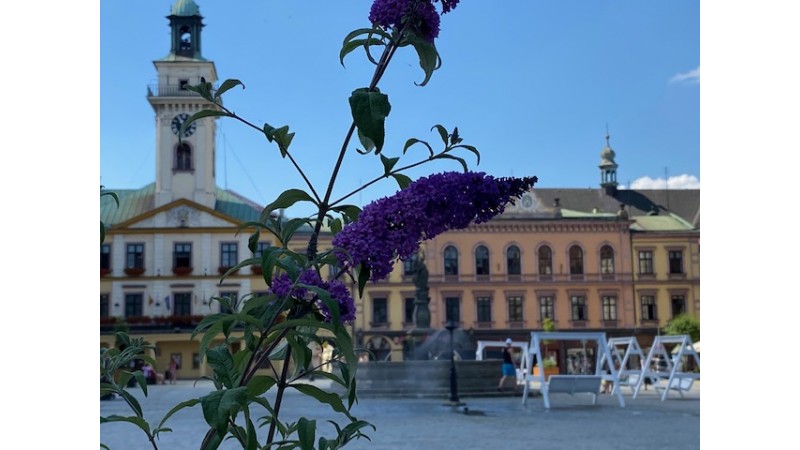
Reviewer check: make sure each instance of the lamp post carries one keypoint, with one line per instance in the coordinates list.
(453, 378)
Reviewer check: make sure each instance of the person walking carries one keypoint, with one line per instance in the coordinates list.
(509, 369)
(173, 370)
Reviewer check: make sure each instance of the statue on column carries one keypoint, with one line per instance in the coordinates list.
(422, 315)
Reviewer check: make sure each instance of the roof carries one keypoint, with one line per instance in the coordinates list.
(684, 203)
(185, 8)
(135, 202)
(667, 222)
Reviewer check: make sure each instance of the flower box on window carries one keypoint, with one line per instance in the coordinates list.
(134, 271)
(223, 269)
(104, 272)
(182, 270)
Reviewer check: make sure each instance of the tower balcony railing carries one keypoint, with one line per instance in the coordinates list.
(169, 90)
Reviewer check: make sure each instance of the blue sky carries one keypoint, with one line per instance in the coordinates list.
(531, 84)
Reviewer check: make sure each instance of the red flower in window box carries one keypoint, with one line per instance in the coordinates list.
(134, 271)
(104, 272)
(182, 271)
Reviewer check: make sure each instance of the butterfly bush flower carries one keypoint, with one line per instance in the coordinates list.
(282, 287)
(421, 14)
(393, 227)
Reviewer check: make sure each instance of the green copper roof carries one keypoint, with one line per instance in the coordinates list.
(135, 202)
(668, 222)
(185, 8)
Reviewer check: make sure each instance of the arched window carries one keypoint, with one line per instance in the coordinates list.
(513, 264)
(482, 261)
(183, 157)
(545, 260)
(450, 260)
(606, 260)
(575, 260)
(186, 38)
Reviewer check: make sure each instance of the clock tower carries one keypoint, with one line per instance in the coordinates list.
(185, 164)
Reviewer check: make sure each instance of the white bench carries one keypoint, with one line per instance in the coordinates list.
(680, 384)
(574, 384)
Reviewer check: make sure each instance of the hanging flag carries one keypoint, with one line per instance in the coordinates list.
(150, 302)
(166, 302)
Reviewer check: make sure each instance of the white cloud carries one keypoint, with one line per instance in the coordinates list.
(690, 77)
(677, 182)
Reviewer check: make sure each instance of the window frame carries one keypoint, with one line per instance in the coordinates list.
(134, 304)
(520, 308)
(607, 260)
(547, 302)
(384, 301)
(579, 309)
(225, 254)
(513, 263)
(178, 255)
(450, 259)
(645, 259)
(576, 265)
(452, 303)
(675, 262)
(185, 302)
(134, 255)
(184, 157)
(105, 256)
(651, 305)
(545, 260)
(608, 304)
(483, 308)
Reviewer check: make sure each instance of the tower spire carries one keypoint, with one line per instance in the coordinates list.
(608, 167)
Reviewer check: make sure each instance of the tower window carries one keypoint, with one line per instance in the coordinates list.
(183, 157)
(182, 84)
(186, 39)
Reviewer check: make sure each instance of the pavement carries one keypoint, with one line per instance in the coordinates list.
(501, 422)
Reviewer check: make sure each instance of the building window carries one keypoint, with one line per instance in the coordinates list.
(182, 255)
(229, 254)
(645, 262)
(609, 307)
(678, 305)
(408, 265)
(545, 260)
(452, 309)
(482, 261)
(380, 311)
(676, 261)
(513, 264)
(134, 305)
(134, 256)
(579, 307)
(575, 260)
(232, 297)
(105, 307)
(606, 260)
(450, 261)
(183, 157)
(105, 256)
(515, 308)
(409, 308)
(649, 307)
(195, 360)
(183, 303)
(182, 84)
(546, 307)
(484, 305)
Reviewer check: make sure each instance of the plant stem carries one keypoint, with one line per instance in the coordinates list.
(279, 396)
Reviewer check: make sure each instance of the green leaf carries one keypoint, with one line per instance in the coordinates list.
(363, 277)
(176, 408)
(227, 84)
(369, 146)
(388, 164)
(221, 360)
(138, 421)
(429, 59)
(218, 406)
(470, 148)
(290, 228)
(402, 180)
(287, 198)
(199, 115)
(369, 110)
(283, 138)
(306, 433)
(204, 89)
(443, 133)
(349, 212)
(259, 384)
(252, 242)
(414, 141)
(349, 46)
(335, 225)
(323, 397)
(446, 156)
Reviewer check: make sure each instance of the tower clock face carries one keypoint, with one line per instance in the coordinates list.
(177, 122)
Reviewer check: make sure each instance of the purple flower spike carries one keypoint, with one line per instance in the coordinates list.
(393, 227)
(421, 15)
(282, 285)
